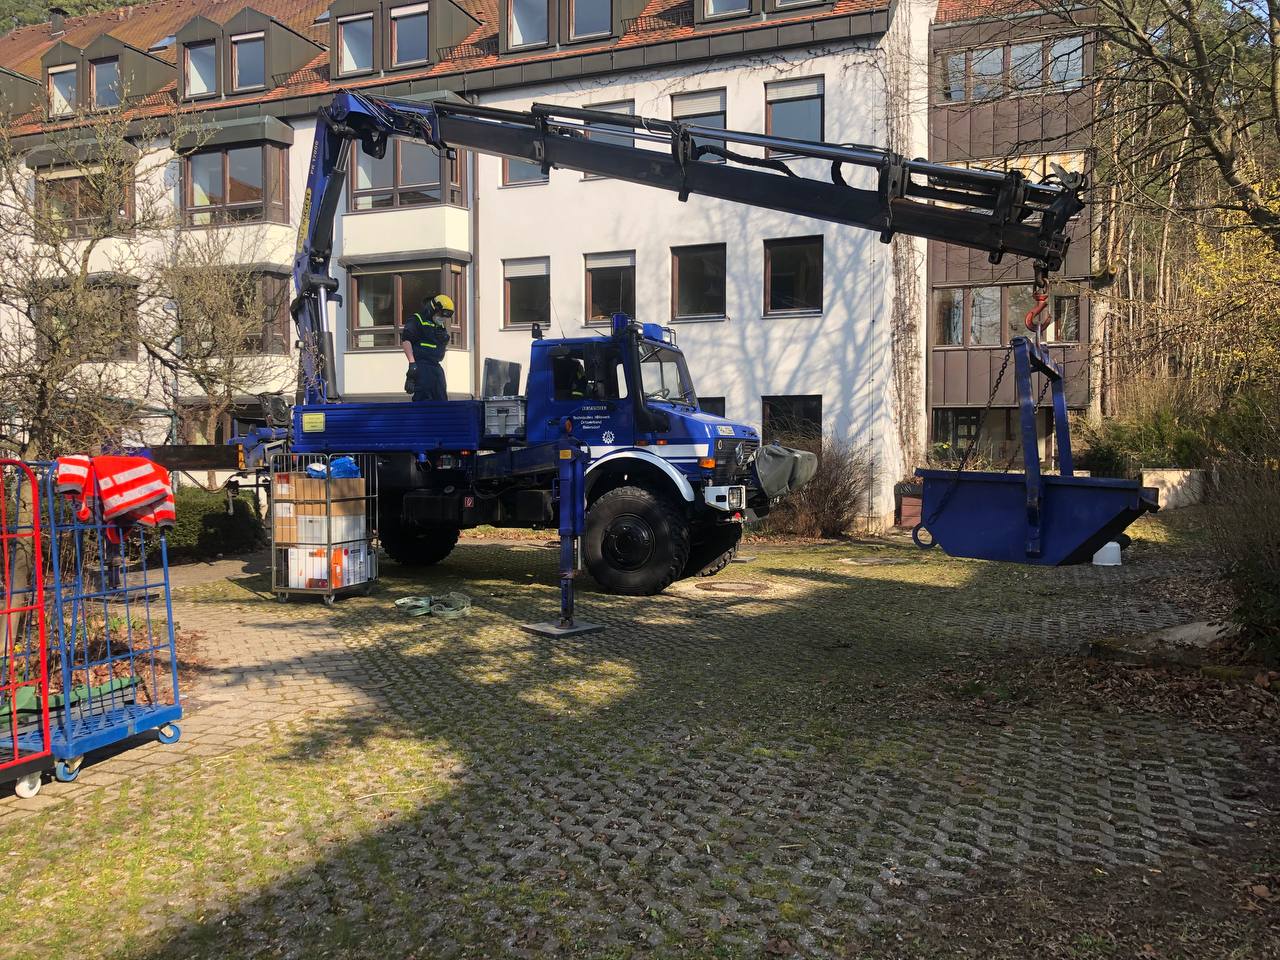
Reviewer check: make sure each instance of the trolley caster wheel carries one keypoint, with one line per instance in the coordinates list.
(66, 771)
(282, 598)
(169, 733)
(27, 787)
(329, 600)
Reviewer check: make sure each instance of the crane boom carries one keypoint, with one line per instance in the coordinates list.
(997, 212)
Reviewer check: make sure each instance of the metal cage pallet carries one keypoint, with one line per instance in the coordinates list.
(113, 657)
(24, 673)
(324, 516)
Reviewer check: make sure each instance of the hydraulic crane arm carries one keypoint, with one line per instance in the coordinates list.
(997, 212)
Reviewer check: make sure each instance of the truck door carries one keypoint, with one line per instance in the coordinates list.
(589, 387)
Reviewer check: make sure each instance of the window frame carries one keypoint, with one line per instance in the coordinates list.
(709, 17)
(394, 16)
(532, 44)
(507, 323)
(607, 107)
(1006, 291)
(820, 96)
(1008, 89)
(279, 205)
(574, 36)
(235, 42)
(722, 113)
(451, 184)
(63, 69)
(676, 316)
(775, 242)
(373, 44)
(93, 83)
(506, 174)
(186, 70)
(80, 227)
(455, 271)
(588, 267)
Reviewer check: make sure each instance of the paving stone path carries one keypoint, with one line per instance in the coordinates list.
(723, 768)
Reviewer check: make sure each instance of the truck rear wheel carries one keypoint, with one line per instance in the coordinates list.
(414, 546)
(637, 542)
(713, 548)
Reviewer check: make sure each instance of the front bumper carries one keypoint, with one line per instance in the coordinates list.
(730, 498)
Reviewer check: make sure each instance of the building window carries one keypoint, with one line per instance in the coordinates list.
(793, 275)
(411, 174)
(236, 185)
(526, 291)
(602, 136)
(249, 296)
(712, 405)
(954, 431)
(409, 35)
(516, 172)
(200, 68)
(527, 24)
(62, 91)
(984, 316)
(725, 8)
(794, 418)
(1066, 320)
(697, 282)
(1066, 63)
(1027, 66)
(793, 108)
(706, 108)
(611, 285)
(995, 315)
(384, 298)
(986, 73)
(355, 44)
(590, 18)
(248, 61)
(948, 317)
(74, 206)
(104, 83)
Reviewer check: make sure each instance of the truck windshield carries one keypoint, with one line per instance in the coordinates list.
(664, 375)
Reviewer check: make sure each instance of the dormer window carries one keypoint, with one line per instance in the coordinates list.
(528, 26)
(409, 35)
(248, 61)
(104, 77)
(62, 90)
(590, 18)
(725, 8)
(200, 68)
(355, 44)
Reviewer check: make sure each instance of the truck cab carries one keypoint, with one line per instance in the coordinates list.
(668, 484)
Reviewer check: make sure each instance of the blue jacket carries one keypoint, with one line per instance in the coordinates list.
(428, 335)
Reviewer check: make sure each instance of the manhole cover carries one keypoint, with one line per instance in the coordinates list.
(731, 586)
(875, 561)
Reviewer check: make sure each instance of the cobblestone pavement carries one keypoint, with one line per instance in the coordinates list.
(722, 770)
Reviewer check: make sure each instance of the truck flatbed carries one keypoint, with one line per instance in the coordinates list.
(404, 427)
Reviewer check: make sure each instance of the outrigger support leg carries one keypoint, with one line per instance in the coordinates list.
(571, 494)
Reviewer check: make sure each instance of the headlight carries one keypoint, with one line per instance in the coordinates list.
(737, 498)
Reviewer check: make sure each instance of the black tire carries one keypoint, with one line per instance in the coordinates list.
(413, 546)
(637, 542)
(713, 548)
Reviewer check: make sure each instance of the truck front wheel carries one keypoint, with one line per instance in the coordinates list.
(637, 542)
(414, 546)
(713, 548)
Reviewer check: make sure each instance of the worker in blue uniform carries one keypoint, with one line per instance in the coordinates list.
(425, 337)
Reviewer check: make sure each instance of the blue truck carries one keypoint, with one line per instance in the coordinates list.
(668, 485)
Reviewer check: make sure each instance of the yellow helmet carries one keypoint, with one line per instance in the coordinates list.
(442, 304)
